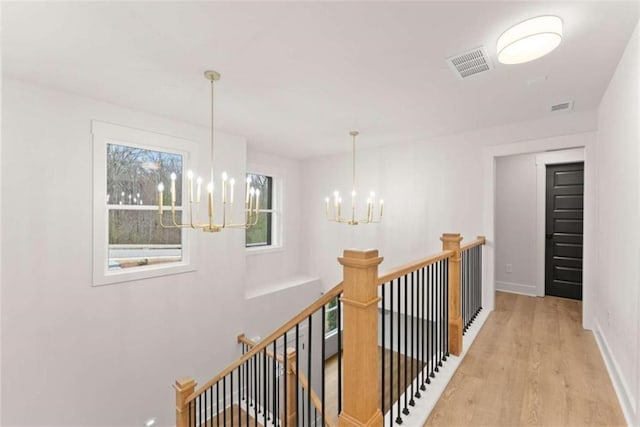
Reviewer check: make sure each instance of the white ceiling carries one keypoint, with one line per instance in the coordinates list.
(297, 76)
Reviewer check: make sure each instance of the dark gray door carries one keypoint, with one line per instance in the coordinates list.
(564, 216)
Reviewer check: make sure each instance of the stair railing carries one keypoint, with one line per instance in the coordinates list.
(429, 304)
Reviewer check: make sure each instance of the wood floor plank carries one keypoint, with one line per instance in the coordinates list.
(531, 364)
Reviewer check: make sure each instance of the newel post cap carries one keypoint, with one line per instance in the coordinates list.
(185, 384)
(360, 258)
(451, 237)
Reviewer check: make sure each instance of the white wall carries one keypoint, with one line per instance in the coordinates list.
(77, 355)
(271, 270)
(515, 218)
(618, 310)
(429, 187)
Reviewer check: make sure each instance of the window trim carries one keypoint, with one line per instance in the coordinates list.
(104, 133)
(277, 191)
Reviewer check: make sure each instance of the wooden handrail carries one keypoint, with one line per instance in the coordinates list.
(401, 271)
(243, 339)
(481, 240)
(315, 306)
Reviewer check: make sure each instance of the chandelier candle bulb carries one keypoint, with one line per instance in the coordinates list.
(210, 198)
(190, 185)
(224, 187)
(173, 188)
(247, 191)
(257, 201)
(160, 191)
(232, 183)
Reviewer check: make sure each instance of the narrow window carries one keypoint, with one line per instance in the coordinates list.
(262, 233)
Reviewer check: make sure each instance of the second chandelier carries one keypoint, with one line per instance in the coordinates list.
(336, 214)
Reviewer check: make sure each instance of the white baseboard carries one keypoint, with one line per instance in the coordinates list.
(619, 384)
(516, 288)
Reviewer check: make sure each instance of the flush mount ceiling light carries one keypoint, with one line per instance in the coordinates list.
(529, 40)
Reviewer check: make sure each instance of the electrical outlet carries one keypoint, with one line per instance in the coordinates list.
(509, 268)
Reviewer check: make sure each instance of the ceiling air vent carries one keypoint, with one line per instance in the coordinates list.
(563, 106)
(470, 63)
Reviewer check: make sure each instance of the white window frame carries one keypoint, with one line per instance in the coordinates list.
(277, 234)
(107, 133)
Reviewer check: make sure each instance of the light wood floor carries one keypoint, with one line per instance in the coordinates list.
(531, 364)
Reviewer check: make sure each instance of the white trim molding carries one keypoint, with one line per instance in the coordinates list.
(104, 133)
(581, 141)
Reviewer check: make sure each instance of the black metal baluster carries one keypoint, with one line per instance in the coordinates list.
(432, 322)
(246, 388)
(405, 410)
(264, 387)
(422, 329)
(324, 319)
(463, 297)
(256, 393)
(189, 416)
(480, 274)
(297, 374)
(399, 372)
(309, 369)
(391, 350)
(285, 418)
(339, 315)
(442, 320)
(436, 298)
(218, 403)
(274, 413)
(382, 355)
(412, 336)
(231, 397)
(446, 307)
(224, 400)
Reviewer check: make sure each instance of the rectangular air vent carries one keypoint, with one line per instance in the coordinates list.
(562, 106)
(470, 63)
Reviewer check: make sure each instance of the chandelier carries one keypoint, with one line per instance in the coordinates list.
(251, 201)
(335, 214)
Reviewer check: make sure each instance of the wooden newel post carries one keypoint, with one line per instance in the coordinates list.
(360, 350)
(451, 242)
(184, 388)
(292, 389)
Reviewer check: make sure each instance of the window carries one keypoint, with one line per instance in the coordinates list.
(135, 236)
(262, 234)
(331, 317)
(129, 242)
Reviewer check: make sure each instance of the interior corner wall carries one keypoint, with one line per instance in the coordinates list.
(272, 269)
(429, 187)
(515, 219)
(618, 309)
(77, 355)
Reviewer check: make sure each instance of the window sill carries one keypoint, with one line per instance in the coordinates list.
(261, 250)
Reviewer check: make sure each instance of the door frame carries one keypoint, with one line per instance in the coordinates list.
(585, 141)
(542, 160)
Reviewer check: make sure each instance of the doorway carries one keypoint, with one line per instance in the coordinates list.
(564, 216)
